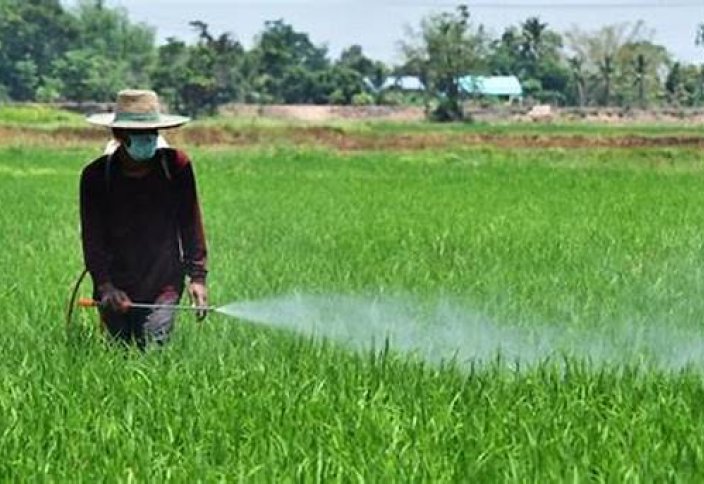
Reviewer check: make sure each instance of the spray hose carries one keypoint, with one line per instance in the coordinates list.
(72, 299)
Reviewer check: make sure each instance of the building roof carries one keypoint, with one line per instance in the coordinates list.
(482, 85)
(491, 85)
(405, 83)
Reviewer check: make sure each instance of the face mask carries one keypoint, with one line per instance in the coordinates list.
(142, 146)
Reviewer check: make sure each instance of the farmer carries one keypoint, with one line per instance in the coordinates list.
(141, 227)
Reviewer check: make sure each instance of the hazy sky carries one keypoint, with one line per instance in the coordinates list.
(378, 25)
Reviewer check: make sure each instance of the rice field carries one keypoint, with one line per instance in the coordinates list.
(570, 241)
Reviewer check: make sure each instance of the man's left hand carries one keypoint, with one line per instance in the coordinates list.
(199, 297)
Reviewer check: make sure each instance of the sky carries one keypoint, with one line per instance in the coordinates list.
(378, 25)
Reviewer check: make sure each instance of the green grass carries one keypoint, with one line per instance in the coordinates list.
(564, 128)
(507, 127)
(37, 115)
(567, 239)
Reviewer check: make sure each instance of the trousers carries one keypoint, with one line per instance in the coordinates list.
(140, 326)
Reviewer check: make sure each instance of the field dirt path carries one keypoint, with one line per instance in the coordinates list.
(340, 139)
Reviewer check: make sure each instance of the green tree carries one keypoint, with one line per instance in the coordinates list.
(541, 59)
(24, 79)
(688, 90)
(226, 61)
(532, 52)
(697, 74)
(49, 90)
(377, 79)
(446, 48)
(39, 39)
(695, 79)
(170, 74)
(85, 76)
(640, 70)
(641, 67)
(533, 45)
(604, 64)
(353, 58)
(196, 79)
(344, 84)
(288, 67)
(672, 83)
(32, 35)
(606, 71)
(576, 64)
(505, 53)
(351, 72)
(108, 33)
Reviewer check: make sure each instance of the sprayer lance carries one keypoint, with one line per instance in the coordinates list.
(90, 303)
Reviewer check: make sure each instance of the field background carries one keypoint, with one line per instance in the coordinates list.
(545, 226)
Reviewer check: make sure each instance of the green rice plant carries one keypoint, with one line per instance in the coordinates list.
(567, 240)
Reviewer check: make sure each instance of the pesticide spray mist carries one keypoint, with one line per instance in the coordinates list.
(447, 330)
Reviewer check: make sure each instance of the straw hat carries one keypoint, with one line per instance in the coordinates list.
(137, 109)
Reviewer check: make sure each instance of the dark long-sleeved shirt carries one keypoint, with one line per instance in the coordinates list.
(144, 235)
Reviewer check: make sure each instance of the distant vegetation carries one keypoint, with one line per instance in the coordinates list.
(35, 115)
(88, 52)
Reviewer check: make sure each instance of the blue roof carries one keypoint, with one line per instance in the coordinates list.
(484, 85)
(491, 85)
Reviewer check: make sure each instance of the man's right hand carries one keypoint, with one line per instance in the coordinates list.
(114, 298)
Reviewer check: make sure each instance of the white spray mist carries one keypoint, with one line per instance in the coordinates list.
(448, 330)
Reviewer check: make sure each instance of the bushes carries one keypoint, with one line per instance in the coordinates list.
(34, 114)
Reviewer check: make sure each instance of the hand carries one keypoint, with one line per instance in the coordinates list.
(114, 298)
(199, 297)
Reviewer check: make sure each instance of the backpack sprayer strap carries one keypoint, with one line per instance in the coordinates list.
(163, 163)
(108, 168)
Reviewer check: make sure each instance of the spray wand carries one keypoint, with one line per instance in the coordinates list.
(75, 301)
(91, 303)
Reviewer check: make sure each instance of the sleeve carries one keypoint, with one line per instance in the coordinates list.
(92, 207)
(191, 224)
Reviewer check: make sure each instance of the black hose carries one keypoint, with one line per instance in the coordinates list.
(72, 299)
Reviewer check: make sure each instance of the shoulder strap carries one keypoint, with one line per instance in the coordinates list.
(163, 162)
(162, 153)
(108, 171)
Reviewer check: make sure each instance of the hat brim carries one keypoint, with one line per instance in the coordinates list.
(165, 121)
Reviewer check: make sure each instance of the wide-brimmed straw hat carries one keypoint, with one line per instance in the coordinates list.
(137, 109)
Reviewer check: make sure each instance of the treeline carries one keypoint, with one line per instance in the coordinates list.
(50, 53)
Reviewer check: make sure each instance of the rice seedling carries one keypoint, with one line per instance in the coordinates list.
(598, 247)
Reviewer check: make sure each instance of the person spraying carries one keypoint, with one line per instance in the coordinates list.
(141, 226)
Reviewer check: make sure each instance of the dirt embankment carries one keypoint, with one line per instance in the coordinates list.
(336, 138)
(497, 113)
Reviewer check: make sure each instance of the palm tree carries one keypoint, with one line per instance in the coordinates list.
(640, 68)
(576, 65)
(673, 84)
(532, 43)
(606, 69)
(600, 49)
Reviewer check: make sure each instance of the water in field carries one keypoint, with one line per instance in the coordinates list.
(447, 330)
